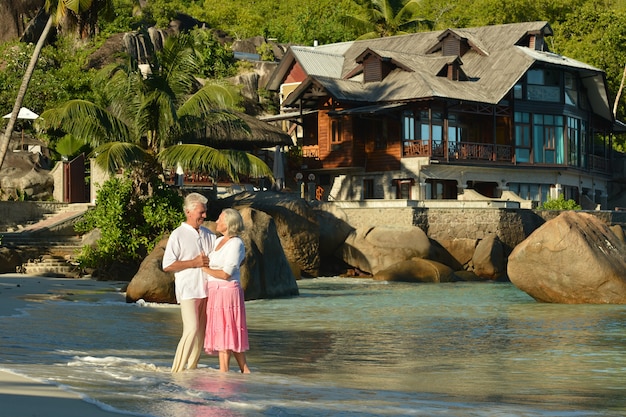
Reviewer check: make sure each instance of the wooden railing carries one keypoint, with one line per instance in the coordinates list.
(598, 163)
(459, 150)
(312, 151)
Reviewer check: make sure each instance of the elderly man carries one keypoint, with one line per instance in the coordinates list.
(185, 255)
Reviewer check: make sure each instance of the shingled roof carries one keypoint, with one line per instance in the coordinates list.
(494, 60)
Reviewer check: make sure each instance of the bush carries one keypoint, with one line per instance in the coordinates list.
(560, 204)
(131, 223)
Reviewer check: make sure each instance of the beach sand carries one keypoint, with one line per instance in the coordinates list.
(24, 397)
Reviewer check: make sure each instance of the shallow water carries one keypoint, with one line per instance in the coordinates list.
(345, 347)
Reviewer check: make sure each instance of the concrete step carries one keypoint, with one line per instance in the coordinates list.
(51, 266)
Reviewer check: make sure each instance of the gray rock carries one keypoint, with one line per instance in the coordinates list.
(574, 258)
(488, 260)
(296, 225)
(417, 270)
(151, 283)
(378, 248)
(10, 260)
(266, 272)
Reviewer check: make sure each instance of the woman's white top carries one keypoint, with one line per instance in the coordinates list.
(184, 244)
(228, 258)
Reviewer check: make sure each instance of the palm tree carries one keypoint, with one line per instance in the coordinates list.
(162, 112)
(57, 10)
(382, 18)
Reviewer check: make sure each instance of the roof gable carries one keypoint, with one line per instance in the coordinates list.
(489, 62)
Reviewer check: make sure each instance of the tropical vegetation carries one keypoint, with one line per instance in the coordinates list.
(162, 113)
(129, 221)
(163, 117)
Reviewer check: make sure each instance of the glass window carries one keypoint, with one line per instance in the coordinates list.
(335, 131)
(548, 139)
(571, 91)
(543, 85)
(535, 77)
(408, 125)
(522, 136)
(573, 141)
(424, 126)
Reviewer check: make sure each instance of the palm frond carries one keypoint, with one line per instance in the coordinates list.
(248, 164)
(68, 145)
(86, 121)
(198, 158)
(114, 156)
(213, 96)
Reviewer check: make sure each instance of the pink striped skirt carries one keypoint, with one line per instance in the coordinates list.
(226, 327)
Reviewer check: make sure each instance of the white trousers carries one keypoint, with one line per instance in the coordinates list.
(193, 313)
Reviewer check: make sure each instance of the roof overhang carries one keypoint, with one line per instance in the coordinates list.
(367, 110)
(287, 116)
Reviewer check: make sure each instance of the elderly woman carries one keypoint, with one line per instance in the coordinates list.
(227, 331)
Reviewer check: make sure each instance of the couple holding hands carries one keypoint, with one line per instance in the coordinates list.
(208, 289)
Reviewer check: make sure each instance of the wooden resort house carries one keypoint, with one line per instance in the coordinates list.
(450, 114)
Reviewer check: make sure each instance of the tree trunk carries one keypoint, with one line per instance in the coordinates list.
(4, 144)
(619, 93)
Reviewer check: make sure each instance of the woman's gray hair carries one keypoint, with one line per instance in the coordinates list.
(192, 200)
(234, 222)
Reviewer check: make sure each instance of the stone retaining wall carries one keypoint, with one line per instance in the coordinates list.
(511, 226)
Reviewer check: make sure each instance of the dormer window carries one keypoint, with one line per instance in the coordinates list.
(454, 46)
(374, 66)
(452, 71)
(375, 69)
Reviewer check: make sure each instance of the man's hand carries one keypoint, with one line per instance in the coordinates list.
(201, 261)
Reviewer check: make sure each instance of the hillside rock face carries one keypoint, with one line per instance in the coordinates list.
(14, 15)
(574, 258)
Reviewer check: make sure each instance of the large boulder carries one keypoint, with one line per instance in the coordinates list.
(573, 258)
(296, 225)
(10, 260)
(266, 272)
(151, 283)
(377, 248)
(417, 270)
(24, 173)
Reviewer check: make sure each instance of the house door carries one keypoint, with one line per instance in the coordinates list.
(403, 188)
(74, 188)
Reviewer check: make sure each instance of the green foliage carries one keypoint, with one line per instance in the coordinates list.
(131, 223)
(266, 52)
(215, 59)
(560, 204)
(58, 77)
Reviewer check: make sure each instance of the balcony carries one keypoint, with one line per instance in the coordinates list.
(458, 151)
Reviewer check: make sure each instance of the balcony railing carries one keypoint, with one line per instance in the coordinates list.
(459, 150)
(598, 163)
(312, 151)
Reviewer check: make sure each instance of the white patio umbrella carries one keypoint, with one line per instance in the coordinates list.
(278, 170)
(24, 113)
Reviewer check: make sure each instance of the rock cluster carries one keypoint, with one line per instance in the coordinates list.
(288, 238)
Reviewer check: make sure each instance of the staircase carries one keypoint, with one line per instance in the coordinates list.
(50, 243)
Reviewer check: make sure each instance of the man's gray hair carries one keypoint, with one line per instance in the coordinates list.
(192, 200)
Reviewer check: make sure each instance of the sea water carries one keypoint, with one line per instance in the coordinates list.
(344, 347)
